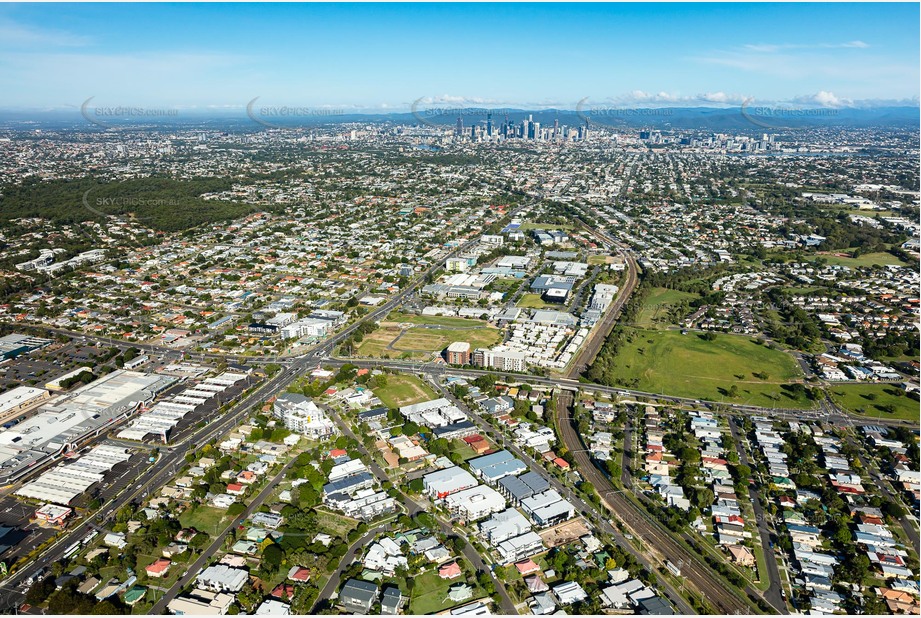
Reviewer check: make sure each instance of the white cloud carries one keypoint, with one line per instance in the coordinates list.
(20, 36)
(823, 99)
(769, 48)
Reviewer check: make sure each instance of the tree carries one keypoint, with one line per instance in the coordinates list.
(40, 591)
(272, 557)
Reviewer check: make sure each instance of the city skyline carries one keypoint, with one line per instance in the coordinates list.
(216, 57)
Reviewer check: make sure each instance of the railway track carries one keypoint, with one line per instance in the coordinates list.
(591, 348)
(716, 592)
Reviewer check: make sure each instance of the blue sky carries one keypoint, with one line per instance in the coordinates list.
(384, 57)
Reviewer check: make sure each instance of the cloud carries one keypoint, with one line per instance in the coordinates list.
(662, 98)
(823, 99)
(20, 36)
(772, 48)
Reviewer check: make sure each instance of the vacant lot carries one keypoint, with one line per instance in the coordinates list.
(868, 259)
(545, 226)
(658, 303)
(425, 335)
(670, 363)
(440, 320)
(876, 400)
(334, 523)
(430, 592)
(205, 519)
(403, 390)
(533, 301)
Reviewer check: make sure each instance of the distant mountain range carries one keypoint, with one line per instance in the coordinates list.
(752, 118)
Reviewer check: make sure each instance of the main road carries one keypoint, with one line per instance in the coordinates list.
(12, 592)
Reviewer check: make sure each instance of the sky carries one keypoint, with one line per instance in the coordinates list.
(385, 57)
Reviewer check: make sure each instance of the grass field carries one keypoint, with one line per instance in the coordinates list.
(670, 363)
(403, 390)
(205, 519)
(334, 523)
(868, 259)
(420, 341)
(430, 592)
(595, 260)
(533, 301)
(657, 304)
(873, 400)
(545, 226)
(440, 320)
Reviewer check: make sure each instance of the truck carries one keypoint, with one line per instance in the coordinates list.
(36, 576)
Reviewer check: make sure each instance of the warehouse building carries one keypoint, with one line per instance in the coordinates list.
(65, 423)
(14, 345)
(162, 417)
(20, 399)
(63, 484)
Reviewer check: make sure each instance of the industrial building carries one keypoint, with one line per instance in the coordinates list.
(160, 419)
(13, 345)
(20, 399)
(65, 423)
(61, 485)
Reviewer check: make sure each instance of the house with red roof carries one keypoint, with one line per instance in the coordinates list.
(283, 591)
(158, 568)
(449, 571)
(299, 574)
(526, 567)
(235, 489)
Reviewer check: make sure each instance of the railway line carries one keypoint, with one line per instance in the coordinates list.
(659, 540)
